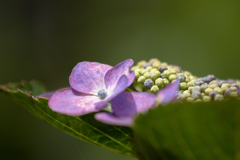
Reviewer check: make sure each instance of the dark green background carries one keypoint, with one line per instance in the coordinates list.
(44, 40)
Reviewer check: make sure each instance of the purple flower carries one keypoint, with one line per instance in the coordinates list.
(127, 105)
(92, 86)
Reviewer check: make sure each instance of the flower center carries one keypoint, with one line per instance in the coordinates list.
(102, 94)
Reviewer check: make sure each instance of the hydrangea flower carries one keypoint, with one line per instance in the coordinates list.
(92, 86)
(127, 105)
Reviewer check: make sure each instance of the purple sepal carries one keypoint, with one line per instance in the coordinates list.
(70, 102)
(110, 118)
(113, 75)
(126, 106)
(168, 93)
(88, 77)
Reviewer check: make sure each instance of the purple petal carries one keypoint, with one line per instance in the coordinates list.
(167, 94)
(46, 95)
(112, 76)
(238, 90)
(70, 102)
(111, 119)
(88, 77)
(120, 87)
(129, 104)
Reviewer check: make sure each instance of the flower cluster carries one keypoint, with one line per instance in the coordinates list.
(93, 85)
(154, 75)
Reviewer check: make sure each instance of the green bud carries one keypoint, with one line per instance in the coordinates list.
(183, 85)
(149, 68)
(225, 85)
(137, 75)
(234, 94)
(167, 73)
(187, 79)
(187, 73)
(186, 92)
(213, 86)
(190, 99)
(134, 68)
(153, 76)
(223, 88)
(146, 75)
(172, 77)
(182, 97)
(173, 71)
(157, 73)
(190, 89)
(154, 60)
(138, 70)
(141, 63)
(141, 79)
(218, 98)
(198, 100)
(191, 77)
(156, 64)
(165, 81)
(208, 90)
(143, 71)
(154, 89)
(159, 82)
(206, 99)
(233, 88)
(218, 90)
(191, 84)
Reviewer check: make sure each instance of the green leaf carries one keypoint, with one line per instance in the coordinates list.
(84, 127)
(189, 131)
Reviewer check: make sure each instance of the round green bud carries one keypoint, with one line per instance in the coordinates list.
(206, 99)
(154, 89)
(218, 90)
(143, 71)
(182, 96)
(138, 70)
(234, 94)
(164, 63)
(227, 85)
(154, 60)
(134, 68)
(203, 94)
(187, 79)
(156, 64)
(149, 68)
(213, 86)
(173, 71)
(208, 90)
(165, 81)
(233, 88)
(154, 69)
(190, 89)
(191, 84)
(190, 99)
(141, 79)
(137, 75)
(218, 98)
(198, 100)
(187, 73)
(146, 75)
(172, 77)
(183, 85)
(156, 72)
(141, 63)
(191, 77)
(167, 73)
(223, 88)
(159, 82)
(186, 92)
(153, 76)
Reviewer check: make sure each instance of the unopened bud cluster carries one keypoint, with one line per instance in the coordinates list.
(154, 75)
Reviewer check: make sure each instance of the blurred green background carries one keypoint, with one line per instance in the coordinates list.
(44, 40)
